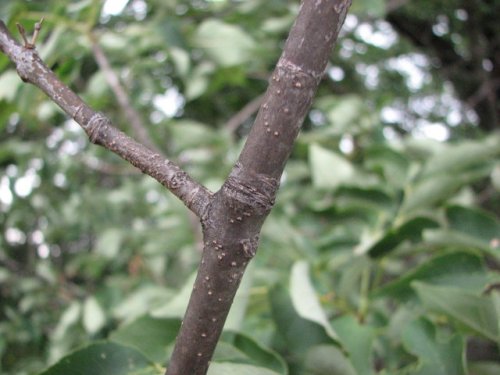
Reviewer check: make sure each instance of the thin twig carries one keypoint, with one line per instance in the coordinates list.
(138, 127)
(244, 114)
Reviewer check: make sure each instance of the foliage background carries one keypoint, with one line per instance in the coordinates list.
(383, 250)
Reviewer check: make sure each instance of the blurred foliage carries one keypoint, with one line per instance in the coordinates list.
(382, 254)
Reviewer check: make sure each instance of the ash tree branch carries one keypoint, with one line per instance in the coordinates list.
(139, 129)
(234, 218)
(99, 128)
(231, 218)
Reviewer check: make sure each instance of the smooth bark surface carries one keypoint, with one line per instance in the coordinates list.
(232, 218)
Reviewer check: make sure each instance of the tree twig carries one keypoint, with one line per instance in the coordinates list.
(244, 114)
(99, 128)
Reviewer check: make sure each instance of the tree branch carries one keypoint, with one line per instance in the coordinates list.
(234, 218)
(32, 69)
(231, 218)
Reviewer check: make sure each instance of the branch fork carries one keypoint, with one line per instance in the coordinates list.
(232, 217)
(22, 31)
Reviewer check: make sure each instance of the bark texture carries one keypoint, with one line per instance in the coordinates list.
(235, 216)
(232, 218)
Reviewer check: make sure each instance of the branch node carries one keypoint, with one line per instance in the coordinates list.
(97, 122)
(256, 194)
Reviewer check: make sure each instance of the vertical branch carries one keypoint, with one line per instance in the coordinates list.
(235, 216)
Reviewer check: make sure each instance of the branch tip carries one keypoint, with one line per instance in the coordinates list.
(38, 27)
(22, 31)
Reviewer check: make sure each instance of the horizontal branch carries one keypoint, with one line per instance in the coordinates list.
(99, 128)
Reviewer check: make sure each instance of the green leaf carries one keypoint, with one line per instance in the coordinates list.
(94, 317)
(108, 243)
(305, 300)
(437, 356)
(495, 297)
(348, 284)
(291, 326)
(197, 82)
(97, 85)
(374, 8)
(359, 198)
(327, 360)
(237, 369)
(9, 82)
(429, 192)
(190, 134)
(495, 177)
(473, 222)
(102, 359)
(141, 301)
(276, 25)
(449, 238)
(68, 318)
(114, 41)
(181, 60)
(460, 269)
(462, 156)
(226, 44)
(151, 336)
(343, 112)
(450, 168)
(357, 339)
(476, 312)
(176, 306)
(393, 165)
(248, 351)
(409, 231)
(329, 170)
